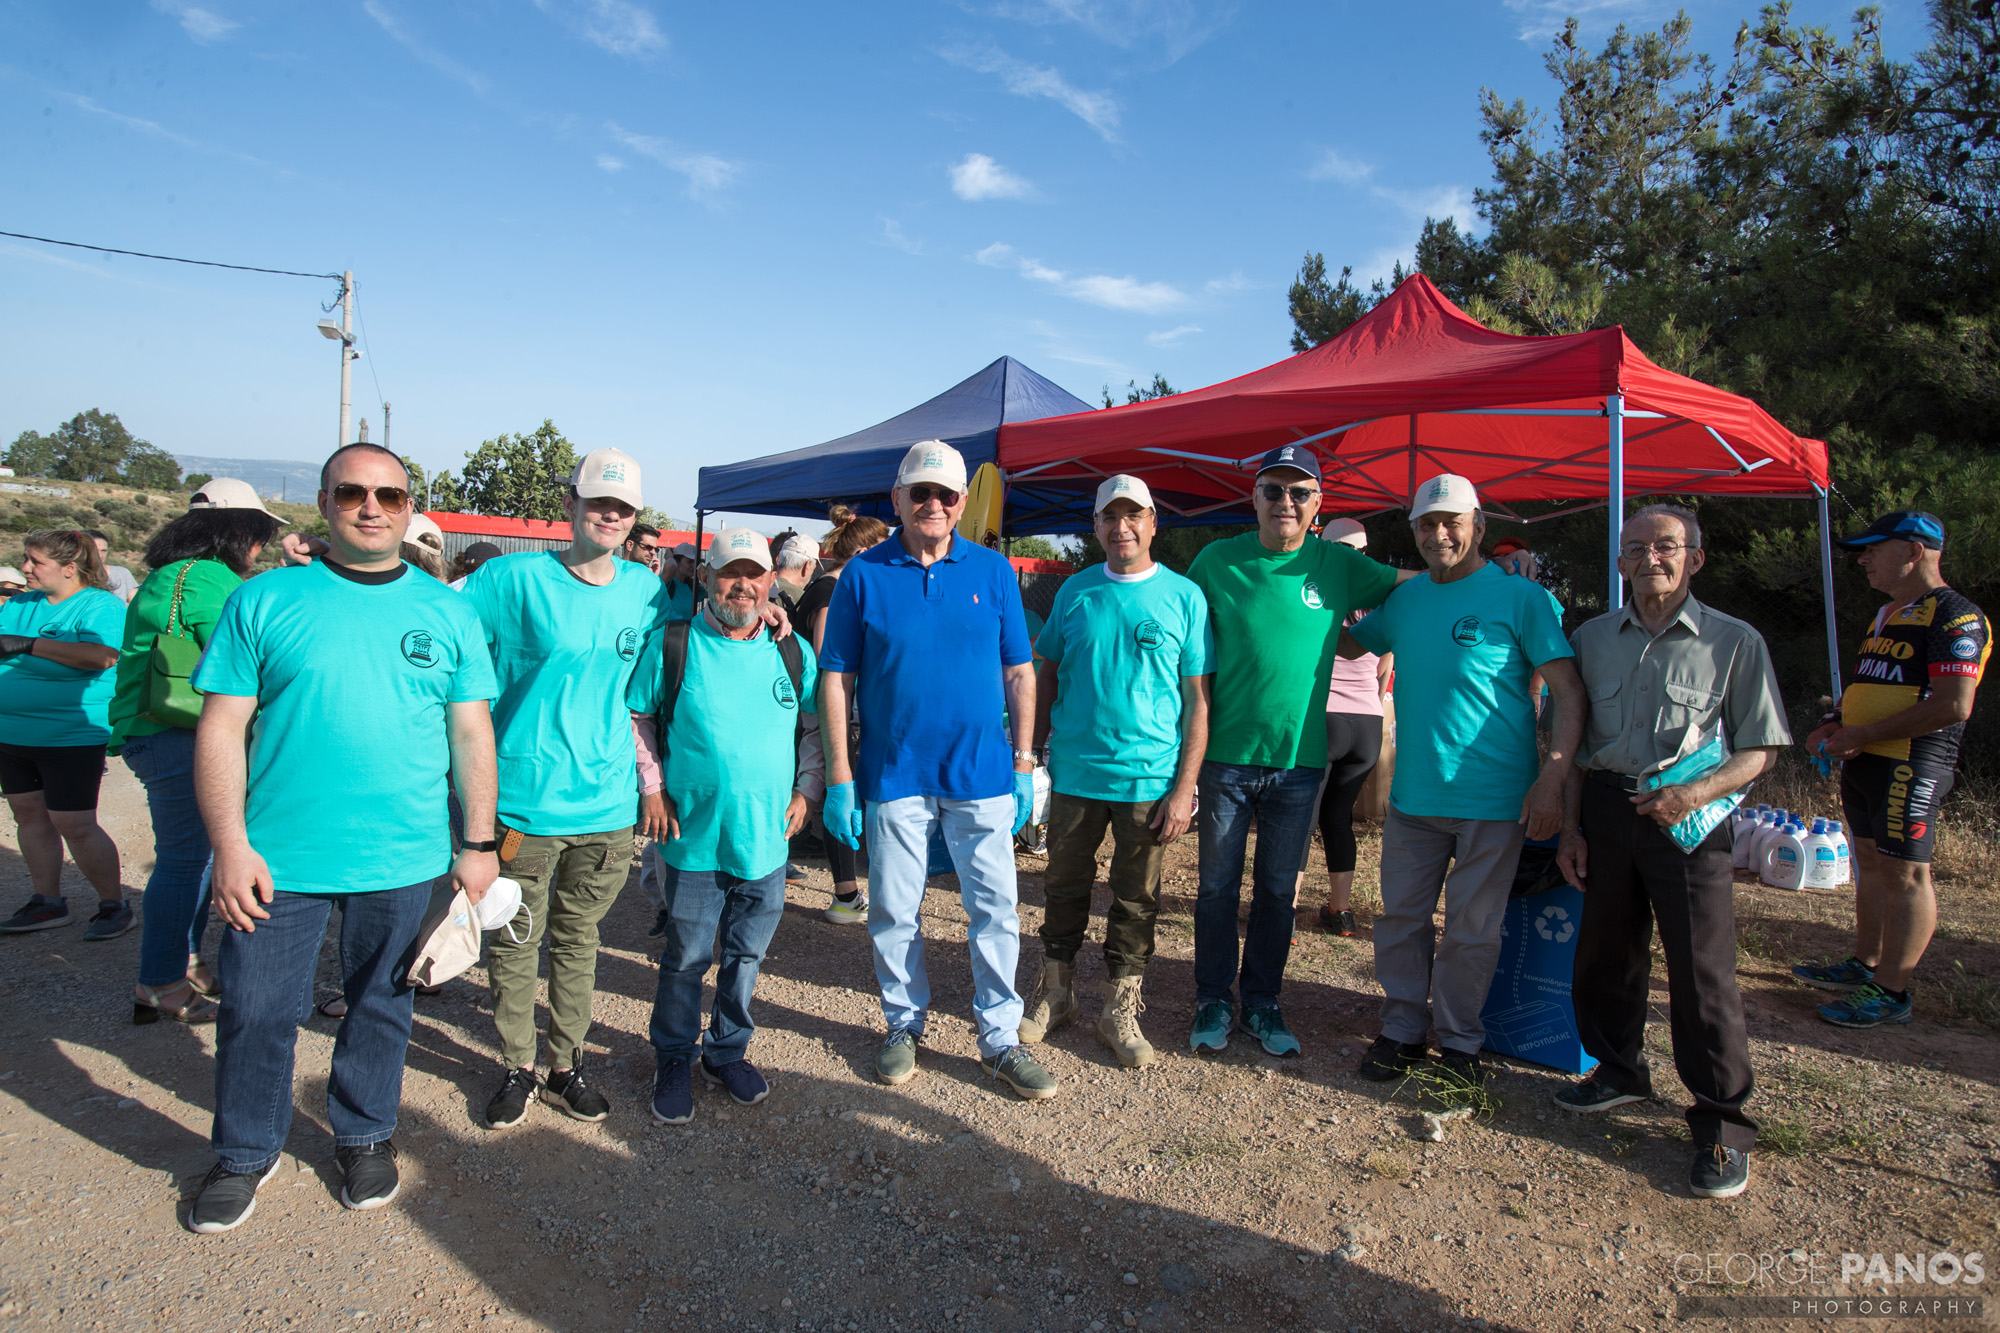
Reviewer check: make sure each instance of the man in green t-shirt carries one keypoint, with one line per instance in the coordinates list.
(1276, 600)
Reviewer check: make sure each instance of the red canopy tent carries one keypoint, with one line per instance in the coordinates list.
(1417, 387)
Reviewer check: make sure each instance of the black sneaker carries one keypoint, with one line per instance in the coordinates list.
(1464, 1068)
(510, 1105)
(38, 913)
(368, 1175)
(1337, 923)
(1719, 1172)
(1389, 1058)
(568, 1093)
(227, 1198)
(1592, 1095)
(739, 1078)
(113, 919)
(659, 930)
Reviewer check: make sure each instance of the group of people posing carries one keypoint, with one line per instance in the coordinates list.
(365, 735)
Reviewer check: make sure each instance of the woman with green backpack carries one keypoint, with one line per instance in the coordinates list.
(197, 561)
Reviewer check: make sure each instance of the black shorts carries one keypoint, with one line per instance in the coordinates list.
(1894, 803)
(68, 776)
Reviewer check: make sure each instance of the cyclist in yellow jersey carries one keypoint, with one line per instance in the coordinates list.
(1897, 736)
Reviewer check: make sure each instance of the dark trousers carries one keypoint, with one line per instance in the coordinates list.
(1638, 875)
(1076, 830)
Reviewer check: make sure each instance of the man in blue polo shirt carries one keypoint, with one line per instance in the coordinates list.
(929, 627)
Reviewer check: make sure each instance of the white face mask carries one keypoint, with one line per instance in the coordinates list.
(500, 906)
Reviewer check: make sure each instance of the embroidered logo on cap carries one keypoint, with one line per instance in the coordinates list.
(1438, 489)
(612, 472)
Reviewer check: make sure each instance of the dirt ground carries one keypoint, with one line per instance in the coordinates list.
(1234, 1191)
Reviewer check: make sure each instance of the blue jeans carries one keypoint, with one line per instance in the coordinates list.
(1285, 803)
(267, 977)
(176, 901)
(699, 905)
(980, 835)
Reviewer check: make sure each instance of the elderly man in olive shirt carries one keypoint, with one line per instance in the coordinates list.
(1660, 675)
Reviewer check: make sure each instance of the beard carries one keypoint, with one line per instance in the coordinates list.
(729, 615)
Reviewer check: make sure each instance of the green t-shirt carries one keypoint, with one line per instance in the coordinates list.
(1465, 726)
(207, 587)
(351, 749)
(1121, 647)
(1277, 618)
(563, 652)
(50, 703)
(730, 760)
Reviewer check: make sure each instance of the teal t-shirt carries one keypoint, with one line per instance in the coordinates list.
(679, 600)
(48, 703)
(1121, 649)
(1465, 727)
(563, 652)
(351, 751)
(730, 758)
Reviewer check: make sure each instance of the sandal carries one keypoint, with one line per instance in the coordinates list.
(203, 979)
(196, 1008)
(333, 1008)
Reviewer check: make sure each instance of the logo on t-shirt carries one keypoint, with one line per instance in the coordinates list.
(419, 649)
(51, 631)
(1309, 594)
(1149, 635)
(628, 643)
(781, 690)
(1965, 649)
(1468, 632)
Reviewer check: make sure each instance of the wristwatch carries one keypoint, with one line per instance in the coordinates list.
(1024, 756)
(488, 846)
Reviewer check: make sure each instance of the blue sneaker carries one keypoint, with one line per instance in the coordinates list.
(1851, 975)
(739, 1078)
(1869, 1007)
(673, 1094)
(1268, 1027)
(1211, 1026)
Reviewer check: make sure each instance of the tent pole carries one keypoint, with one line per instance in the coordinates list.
(1826, 590)
(1614, 408)
(698, 516)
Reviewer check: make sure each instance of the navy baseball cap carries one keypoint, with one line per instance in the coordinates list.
(1291, 456)
(1908, 525)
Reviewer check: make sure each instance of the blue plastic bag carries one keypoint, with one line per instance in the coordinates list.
(1697, 824)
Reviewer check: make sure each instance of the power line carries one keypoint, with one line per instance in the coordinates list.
(172, 259)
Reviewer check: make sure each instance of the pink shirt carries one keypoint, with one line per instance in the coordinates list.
(1353, 687)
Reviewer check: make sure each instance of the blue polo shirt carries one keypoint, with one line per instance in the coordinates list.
(926, 646)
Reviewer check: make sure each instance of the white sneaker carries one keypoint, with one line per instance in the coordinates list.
(853, 912)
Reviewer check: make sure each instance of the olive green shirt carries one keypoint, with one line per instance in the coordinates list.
(1654, 697)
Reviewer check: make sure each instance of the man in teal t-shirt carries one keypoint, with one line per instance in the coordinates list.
(739, 766)
(340, 695)
(1124, 659)
(1469, 780)
(565, 628)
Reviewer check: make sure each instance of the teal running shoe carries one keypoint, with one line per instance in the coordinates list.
(1850, 975)
(1211, 1027)
(1869, 1007)
(1268, 1027)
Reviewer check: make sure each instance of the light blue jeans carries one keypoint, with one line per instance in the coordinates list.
(980, 835)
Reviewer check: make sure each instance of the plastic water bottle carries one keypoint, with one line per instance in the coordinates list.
(1784, 858)
(1845, 853)
(1822, 855)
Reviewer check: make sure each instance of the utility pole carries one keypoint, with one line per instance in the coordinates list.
(385, 425)
(349, 353)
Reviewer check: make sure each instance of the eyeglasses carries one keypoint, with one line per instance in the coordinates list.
(647, 551)
(1664, 550)
(349, 495)
(1301, 495)
(922, 495)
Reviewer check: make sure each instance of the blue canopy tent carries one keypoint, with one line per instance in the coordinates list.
(857, 470)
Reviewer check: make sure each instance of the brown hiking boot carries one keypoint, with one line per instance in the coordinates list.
(1053, 1004)
(1118, 1026)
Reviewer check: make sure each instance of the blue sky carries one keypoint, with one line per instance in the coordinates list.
(708, 232)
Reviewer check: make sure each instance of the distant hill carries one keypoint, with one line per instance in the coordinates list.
(284, 478)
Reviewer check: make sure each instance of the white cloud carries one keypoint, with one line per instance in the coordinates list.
(707, 175)
(980, 177)
(409, 41)
(1438, 201)
(1235, 282)
(1542, 19)
(606, 162)
(158, 131)
(619, 26)
(1127, 293)
(204, 25)
(1174, 27)
(1332, 165)
(892, 233)
(1057, 346)
(1168, 337)
(1097, 110)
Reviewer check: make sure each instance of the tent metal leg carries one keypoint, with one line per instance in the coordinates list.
(698, 517)
(1614, 409)
(1826, 592)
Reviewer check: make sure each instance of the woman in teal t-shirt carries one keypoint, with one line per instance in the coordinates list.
(57, 647)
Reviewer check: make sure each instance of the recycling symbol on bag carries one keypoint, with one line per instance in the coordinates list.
(1558, 933)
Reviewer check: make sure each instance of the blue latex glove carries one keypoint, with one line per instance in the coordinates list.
(1024, 800)
(1822, 762)
(841, 816)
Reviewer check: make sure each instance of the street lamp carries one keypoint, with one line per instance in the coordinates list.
(343, 333)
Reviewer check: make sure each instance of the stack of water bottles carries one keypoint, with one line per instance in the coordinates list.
(1789, 851)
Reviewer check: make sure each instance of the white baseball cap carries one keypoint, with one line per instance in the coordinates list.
(685, 551)
(733, 544)
(803, 545)
(1447, 492)
(227, 493)
(1347, 531)
(425, 531)
(9, 574)
(1124, 486)
(608, 472)
(933, 461)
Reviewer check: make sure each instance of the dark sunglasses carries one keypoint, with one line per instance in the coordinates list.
(350, 495)
(1273, 493)
(922, 495)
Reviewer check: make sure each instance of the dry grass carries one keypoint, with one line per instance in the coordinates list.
(1388, 1165)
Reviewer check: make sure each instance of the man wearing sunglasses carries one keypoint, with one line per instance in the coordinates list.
(642, 546)
(565, 628)
(929, 628)
(367, 685)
